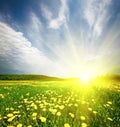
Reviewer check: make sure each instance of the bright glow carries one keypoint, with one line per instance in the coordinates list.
(84, 77)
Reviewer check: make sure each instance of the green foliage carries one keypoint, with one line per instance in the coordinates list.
(27, 77)
(59, 104)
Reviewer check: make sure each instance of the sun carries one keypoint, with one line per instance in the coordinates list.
(84, 77)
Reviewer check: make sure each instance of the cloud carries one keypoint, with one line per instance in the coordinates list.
(19, 54)
(61, 18)
(46, 12)
(96, 13)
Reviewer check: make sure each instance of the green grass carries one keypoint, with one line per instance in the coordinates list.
(53, 104)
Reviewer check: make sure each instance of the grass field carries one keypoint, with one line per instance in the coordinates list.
(59, 104)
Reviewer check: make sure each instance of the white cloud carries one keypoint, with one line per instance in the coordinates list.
(55, 23)
(46, 12)
(18, 53)
(96, 14)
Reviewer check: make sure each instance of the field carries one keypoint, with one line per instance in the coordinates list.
(59, 104)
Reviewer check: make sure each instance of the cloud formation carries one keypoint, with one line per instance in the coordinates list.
(20, 55)
(96, 13)
(61, 18)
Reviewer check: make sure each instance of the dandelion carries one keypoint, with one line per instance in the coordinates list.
(82, 118)
(1, 96)
(109, 102)
(9, 115)
(95, 112)
(110, 119)
(29, 126)
(84, 125)
(34, 114)
(76, 105)
(19, 125)
(71, 115)
(10, 126)
(90, 109)
(70, 105)
(54, 111)
(16, 112)
(11, 119)
(66, 125)
(44, 109)
(11, 109)
(7, 109)
(43, 119)
(61, 107)
(58, 113)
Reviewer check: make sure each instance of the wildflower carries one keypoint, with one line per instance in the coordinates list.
(11, 119)
(34, 114)
(61, 107)
(70, 105)
(54, 111)
(29, 126)
(110, 119)
(7, 109)
(19, 125)
(66, 125)
(9, 115)
(76, 105)
(10, 126)
(95, 112)
(43, 119)
(82, 117)
(16, 112)
(58, 114)
(90, 109)
(20, 106)
(1, 96)
(84, 125)
(44, 109)
(109, 102)
(71, 115)
(11, 109)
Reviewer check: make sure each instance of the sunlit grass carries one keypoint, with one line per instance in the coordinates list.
(60, 104)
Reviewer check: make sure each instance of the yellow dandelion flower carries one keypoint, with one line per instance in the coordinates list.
(11, 109)
(71, 115)
(110, 119)
(29, 126)
(82, 117)
(16, 112)
(7, 109)
(109, 102)
(58, 114)
(83, 125)
(34, 114)
(43, 119)
(90, 109)
(66, 125)
(10, 115)
(44, 109)
(76, 105)
(95, 112)
(10, 126)
(1, 96)
(54, 111)
(61, 107)
(19, 125)
(11, 119)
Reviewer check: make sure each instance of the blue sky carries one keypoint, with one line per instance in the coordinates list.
(60, 37)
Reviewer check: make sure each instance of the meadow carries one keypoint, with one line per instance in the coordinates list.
(60, 103)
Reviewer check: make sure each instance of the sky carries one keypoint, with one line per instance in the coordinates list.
(63, 38)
